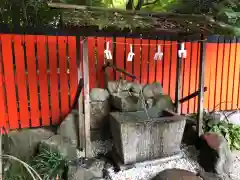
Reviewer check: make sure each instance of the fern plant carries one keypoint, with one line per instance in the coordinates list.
(49, 165)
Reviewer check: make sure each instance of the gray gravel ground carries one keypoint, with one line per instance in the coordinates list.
(187, 162)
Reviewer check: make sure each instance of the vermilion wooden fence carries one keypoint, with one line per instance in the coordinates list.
(222, 74)
(39, 74)
(38, 79)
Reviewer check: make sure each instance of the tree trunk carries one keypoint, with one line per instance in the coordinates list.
(16, 15)
(139, 4)
(129, 5)
(24, 12)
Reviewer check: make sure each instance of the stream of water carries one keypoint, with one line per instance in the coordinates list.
(143, 100)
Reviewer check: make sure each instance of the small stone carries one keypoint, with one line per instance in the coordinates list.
(147, 91)
(118, 86)
(125, 102)
(215, 154)
(99, 114)
(99, 94)
(152, 90)
(86, 169)
(156, 89)
(164, 102)
(136, 87)
(68, 128)
(57, 144)
(176, 174)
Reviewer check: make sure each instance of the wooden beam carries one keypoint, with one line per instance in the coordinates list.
(178, 82)
(88, 150)
(130, 12)
(201, 88)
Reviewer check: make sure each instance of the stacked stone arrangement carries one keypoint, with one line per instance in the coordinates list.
(140, 131)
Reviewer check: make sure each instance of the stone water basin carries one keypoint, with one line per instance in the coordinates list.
(137, 138)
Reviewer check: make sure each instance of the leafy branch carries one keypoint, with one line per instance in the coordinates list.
(230, 131)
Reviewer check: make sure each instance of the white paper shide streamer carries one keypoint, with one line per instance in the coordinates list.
(107, 52)
(130, 54)
(158, 55)
(182, 53)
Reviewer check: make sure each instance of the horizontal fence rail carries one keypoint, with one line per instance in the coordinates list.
(39, 74)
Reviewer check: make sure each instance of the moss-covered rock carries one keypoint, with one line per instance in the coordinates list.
(59, 145)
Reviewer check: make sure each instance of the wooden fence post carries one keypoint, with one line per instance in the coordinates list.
(201, 87)
(81, 129)
(88, 151)
(178, 81)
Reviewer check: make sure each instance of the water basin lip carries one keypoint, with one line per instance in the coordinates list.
(153, 120)
(119, 116)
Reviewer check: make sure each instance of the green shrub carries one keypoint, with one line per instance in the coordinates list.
(48, 165)
(230, 131)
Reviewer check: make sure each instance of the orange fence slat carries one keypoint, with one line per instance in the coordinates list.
(231, 76)
(225, 76)
(100, 50)
(10, 81)
(166, 66)
(110, 70)
(3, 114)
(186, 77)
(120, 48)
(62, 40)
(236, 94)
(193, 64)
(21, 81)
(159, 64)
(32, 79)
(152, 70)
(91, 62)
(129, 64)
(209, 52)
(54, 95)
(212, 80)
(144, 64)
(137, 59)
(72, 67)
(220, 53)
(43, 79)
(173, 70)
